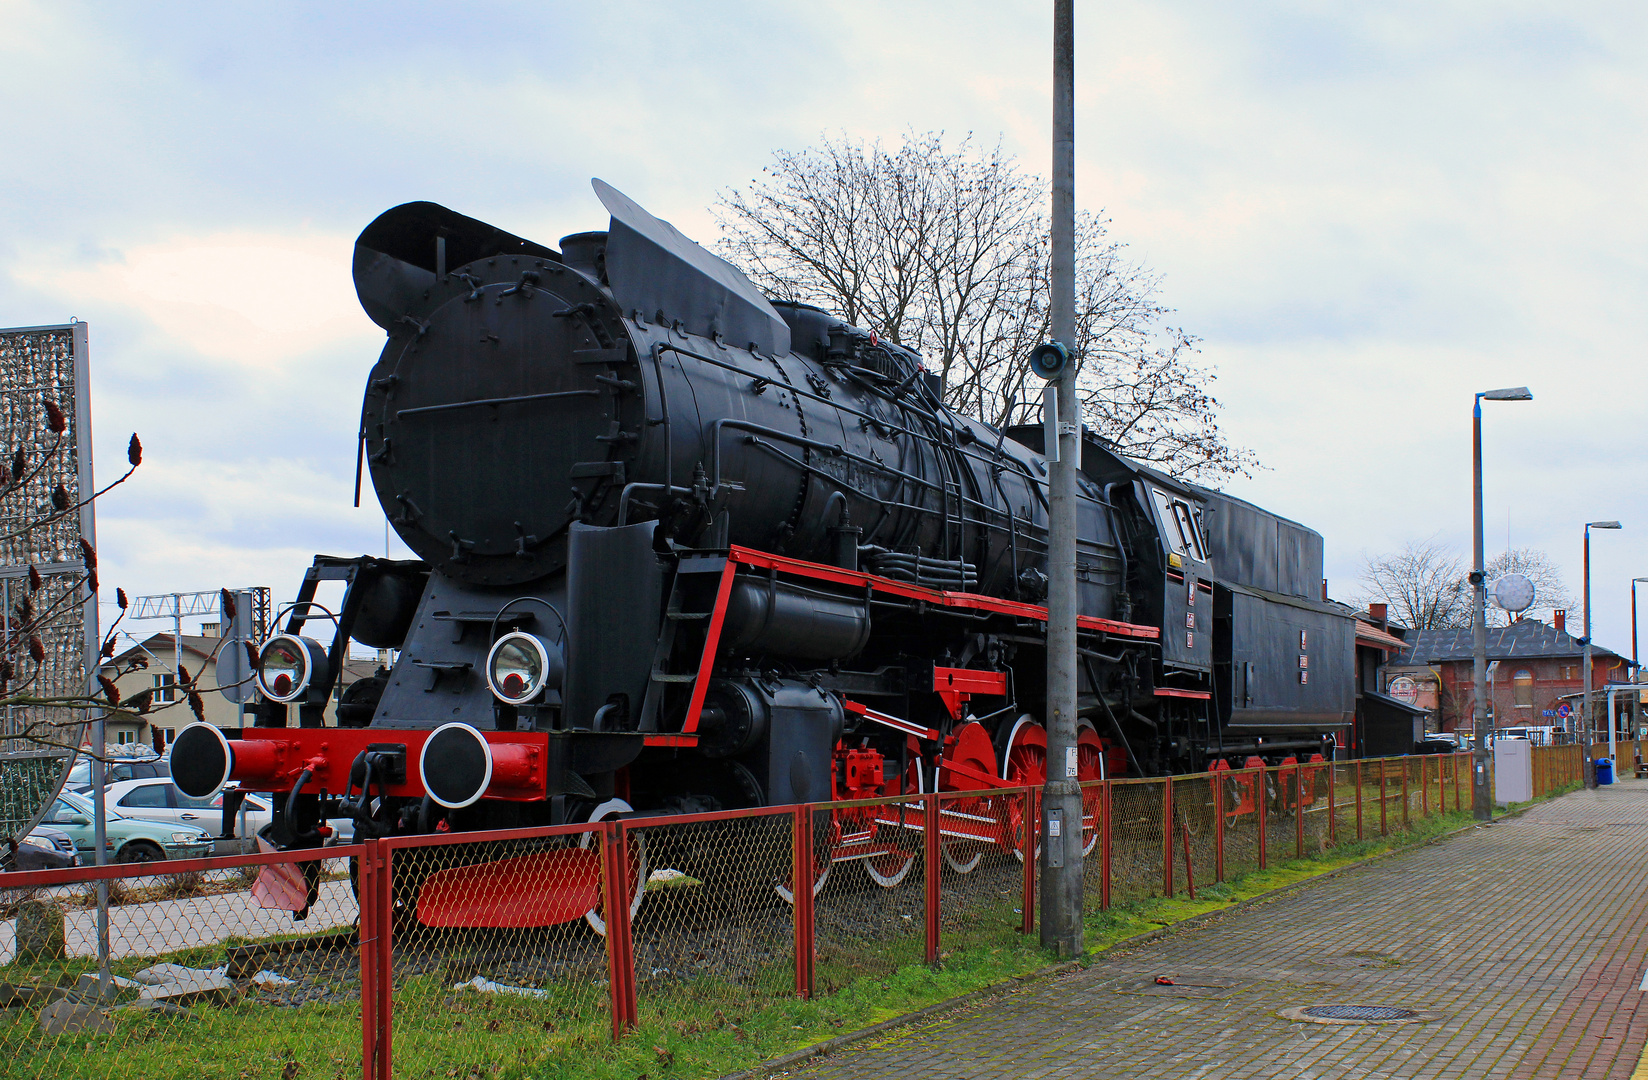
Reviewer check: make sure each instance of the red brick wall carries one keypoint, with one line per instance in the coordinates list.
(1552, 679)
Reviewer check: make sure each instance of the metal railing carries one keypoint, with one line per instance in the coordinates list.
(412, 959)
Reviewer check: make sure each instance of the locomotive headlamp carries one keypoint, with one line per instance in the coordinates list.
(1049, 360)
(288, 666)
(521, 667)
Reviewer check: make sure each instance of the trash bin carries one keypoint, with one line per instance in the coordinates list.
(1605, 770)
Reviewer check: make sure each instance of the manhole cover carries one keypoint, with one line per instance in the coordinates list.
(1363, 960)
(1358, 1014)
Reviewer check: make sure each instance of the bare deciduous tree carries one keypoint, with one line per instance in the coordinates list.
(1424, 584)
(1428, 588)
(1550, 592)
(945, 251)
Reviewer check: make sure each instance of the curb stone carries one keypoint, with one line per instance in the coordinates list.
(829, 1046)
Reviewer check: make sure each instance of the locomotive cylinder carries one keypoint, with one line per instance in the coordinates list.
(768, 616)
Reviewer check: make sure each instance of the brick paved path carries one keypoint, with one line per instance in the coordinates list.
(1528, 939)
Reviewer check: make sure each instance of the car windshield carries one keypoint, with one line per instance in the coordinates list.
(83, 805)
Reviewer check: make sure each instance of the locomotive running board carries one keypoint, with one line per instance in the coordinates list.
(868, 583)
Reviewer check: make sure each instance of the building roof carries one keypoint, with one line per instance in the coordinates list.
(1525, 640)
(1370, 635)
(160, 647)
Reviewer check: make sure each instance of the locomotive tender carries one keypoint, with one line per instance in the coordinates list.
(684, 548)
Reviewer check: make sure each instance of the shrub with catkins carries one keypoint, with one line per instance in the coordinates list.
(55, 418)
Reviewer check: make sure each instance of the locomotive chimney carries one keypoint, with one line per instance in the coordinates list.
(587, 252)
(1559, 619)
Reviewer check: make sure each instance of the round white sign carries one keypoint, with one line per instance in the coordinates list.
(1513, 592)
(1404, 689)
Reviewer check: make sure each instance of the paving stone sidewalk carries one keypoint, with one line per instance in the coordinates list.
(1526, 938)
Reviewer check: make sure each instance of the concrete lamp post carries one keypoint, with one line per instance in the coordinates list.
(1586, 726)
(1481, 797)
(1636, 663)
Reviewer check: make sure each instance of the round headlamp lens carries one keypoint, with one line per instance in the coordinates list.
(517, 669)
(281, 667)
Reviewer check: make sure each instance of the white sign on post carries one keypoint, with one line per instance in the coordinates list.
(1070, 762)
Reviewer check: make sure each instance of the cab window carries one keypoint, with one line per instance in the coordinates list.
(1179, 526)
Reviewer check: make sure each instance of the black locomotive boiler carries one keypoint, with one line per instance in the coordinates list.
(684, 548)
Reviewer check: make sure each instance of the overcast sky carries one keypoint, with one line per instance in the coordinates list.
(1366, 211)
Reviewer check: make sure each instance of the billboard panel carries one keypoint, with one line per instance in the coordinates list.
(48, 607)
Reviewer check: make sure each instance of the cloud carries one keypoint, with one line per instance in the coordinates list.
(245, 299)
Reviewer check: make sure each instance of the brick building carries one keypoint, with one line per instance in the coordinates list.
(1539, 665)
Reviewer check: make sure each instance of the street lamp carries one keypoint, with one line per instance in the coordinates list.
(1635, 662)
(1590, 769)
(1481, 798)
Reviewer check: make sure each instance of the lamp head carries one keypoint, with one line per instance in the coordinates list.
(1603, 525)
(1510, 393)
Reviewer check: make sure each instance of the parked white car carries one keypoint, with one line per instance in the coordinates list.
(158, 799)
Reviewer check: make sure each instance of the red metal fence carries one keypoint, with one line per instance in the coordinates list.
(410, 964)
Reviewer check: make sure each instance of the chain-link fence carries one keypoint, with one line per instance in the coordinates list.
(985, 883)
(190, 968)
(528, 951)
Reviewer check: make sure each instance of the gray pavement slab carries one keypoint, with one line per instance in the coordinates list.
(1523, 942)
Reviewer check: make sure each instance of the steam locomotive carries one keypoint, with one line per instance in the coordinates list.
(685, 548)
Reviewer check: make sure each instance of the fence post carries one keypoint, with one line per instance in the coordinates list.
(1333, 804)
(1358, 798)
(384, 894)
(1104, 860)
(1031, 817)
(367, 879)
(1441, 792)
(615, 902)
(930, 839)
(1190, 870)
(1261, 796)
(801, 887)
(1218, 826)
(1167, 837)
(1298, 812)
(1384, 823)
(1424, 791)
(1406, 824)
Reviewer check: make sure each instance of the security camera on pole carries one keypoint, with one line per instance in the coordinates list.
(1061, 877)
